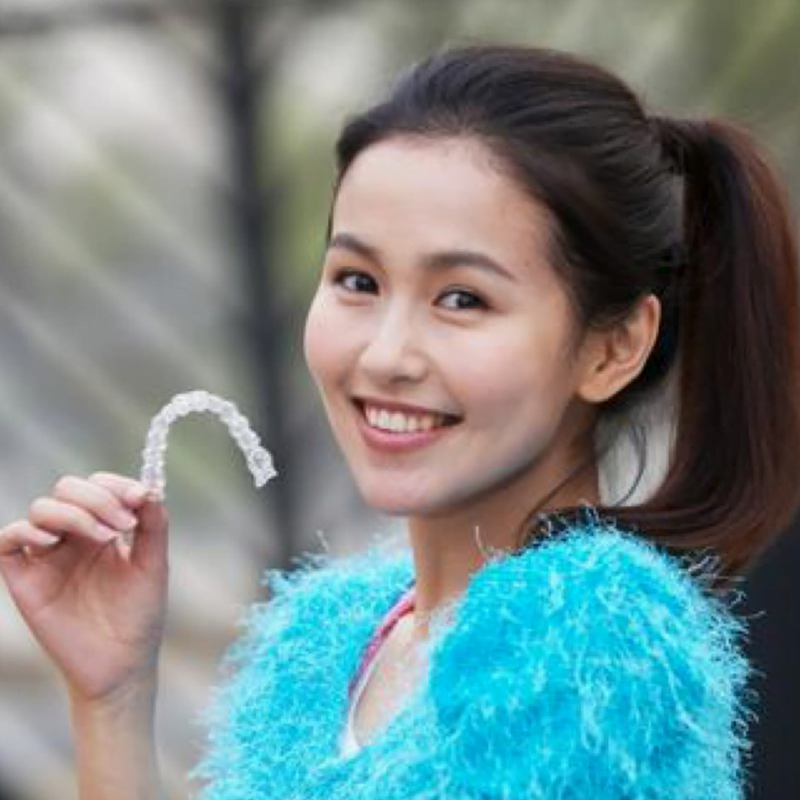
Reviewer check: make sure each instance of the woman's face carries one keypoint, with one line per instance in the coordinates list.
(436, 294)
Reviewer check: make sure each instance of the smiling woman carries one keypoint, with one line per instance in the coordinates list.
(516, 253)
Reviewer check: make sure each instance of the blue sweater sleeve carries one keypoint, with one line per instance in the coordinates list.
(611, 675)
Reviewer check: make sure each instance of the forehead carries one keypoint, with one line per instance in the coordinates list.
(423, 193)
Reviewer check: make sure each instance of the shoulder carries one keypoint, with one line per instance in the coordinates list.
(296, 653)
(321, 587)
(595, 572)
(596, 656)
(324, 578)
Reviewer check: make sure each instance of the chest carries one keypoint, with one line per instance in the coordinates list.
(396, 670)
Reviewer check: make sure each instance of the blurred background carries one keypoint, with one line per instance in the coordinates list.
(165, 173)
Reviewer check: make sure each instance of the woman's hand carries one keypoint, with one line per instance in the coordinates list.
(96, 604)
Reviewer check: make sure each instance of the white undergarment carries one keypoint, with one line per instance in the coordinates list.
(349, 744)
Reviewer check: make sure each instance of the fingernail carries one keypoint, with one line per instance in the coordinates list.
(106, 533)
(126, 521)
(135, 494)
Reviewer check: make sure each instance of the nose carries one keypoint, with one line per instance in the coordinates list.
(394, 353)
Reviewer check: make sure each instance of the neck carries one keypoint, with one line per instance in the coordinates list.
(447, 550)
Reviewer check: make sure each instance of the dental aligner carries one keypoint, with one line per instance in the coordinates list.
(259, 461)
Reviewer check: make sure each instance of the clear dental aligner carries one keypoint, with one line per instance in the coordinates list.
(259, 461)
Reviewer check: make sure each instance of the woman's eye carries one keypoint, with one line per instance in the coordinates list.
(354, 281)
(467, 300)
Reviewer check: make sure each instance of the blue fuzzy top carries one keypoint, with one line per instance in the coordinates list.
(593, 665)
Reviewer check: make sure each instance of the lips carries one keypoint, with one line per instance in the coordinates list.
(404, 408)
(393, 441)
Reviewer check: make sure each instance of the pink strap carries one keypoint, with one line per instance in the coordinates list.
(401, 607)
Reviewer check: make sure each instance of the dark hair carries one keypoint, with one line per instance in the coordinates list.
(688, 210)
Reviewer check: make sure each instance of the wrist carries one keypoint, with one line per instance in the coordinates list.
(115, 746)
(134, 692)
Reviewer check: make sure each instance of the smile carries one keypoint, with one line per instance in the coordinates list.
(397, 431)
(398, 422)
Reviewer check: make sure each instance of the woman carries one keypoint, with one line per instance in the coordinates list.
(518, 257)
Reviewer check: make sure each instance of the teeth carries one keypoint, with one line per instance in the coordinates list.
(401, 423)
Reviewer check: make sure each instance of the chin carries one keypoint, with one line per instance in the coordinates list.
(394, 507)
(395, 502)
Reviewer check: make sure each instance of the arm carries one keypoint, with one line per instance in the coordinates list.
(97, 607)
(114, 746)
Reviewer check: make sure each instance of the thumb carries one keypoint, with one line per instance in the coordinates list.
(149, 550)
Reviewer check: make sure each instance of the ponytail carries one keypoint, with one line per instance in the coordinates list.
(734, 481)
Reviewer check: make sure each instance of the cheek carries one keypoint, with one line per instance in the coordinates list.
(503, 376)
(331, 343)
(319, 340)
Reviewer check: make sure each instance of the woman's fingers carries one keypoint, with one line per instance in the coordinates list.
(57, 517)
(97, 500)
(150, 547)
(18, 535)
(92, 511)
(19, 543)
(127, 490)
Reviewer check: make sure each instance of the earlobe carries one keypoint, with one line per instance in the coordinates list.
(614, 357)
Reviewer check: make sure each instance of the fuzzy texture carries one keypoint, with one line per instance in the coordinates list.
(593, 665)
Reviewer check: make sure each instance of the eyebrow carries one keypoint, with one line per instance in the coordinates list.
(447, 259)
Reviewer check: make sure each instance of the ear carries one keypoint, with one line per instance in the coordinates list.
(613, 358)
